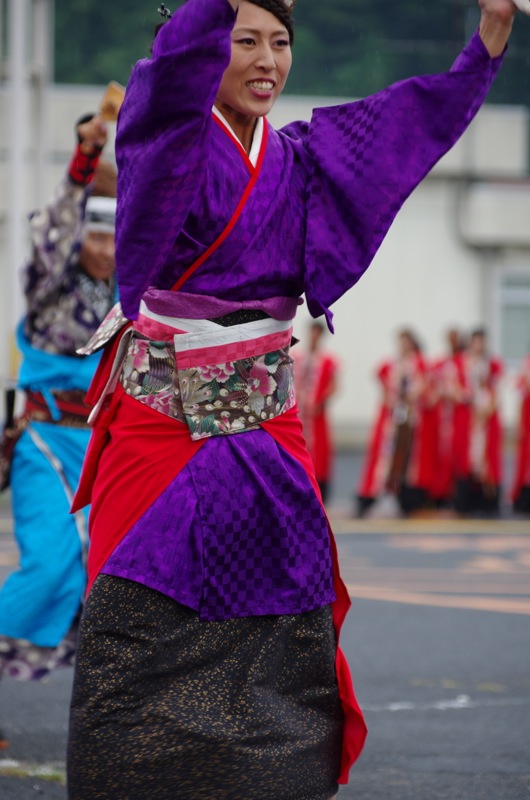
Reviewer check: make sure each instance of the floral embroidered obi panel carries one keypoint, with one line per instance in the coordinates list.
(218, 380)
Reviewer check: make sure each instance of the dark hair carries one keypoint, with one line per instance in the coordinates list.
(275, 7)
(408, 333)
(479, 333)
(280, 11)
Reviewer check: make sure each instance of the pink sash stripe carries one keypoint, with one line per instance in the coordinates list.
(153, 329)
(235, 351)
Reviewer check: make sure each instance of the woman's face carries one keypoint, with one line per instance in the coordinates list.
(259, 66)
(477, 345)
(97, 254)
(405, 345)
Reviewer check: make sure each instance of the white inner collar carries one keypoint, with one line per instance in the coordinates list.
(256, 141)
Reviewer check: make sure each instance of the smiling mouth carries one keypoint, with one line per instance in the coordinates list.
(261, 86)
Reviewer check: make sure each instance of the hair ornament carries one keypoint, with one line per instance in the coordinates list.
(164, 11)
(290, 5)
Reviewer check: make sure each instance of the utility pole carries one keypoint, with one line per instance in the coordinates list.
(29, 74)
(42, 78)
(18, 127)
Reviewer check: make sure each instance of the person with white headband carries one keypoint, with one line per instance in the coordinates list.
(69, 286)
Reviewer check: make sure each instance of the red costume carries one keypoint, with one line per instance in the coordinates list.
(521, 488)
(477, 433)
(399, 457)
(315, 375)
(443, 374)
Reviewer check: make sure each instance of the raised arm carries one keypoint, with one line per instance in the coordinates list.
(496, 23)
(56, 228)
(369, 156)
(163, 138)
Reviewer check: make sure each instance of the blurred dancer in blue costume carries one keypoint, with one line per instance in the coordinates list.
(69, 285)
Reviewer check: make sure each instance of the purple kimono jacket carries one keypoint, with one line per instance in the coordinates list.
(325, 197)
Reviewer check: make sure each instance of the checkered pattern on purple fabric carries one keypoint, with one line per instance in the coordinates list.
(266, 536)
(239, 532)
(264, 255)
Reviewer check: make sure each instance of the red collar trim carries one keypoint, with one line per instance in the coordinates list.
(243, 153)
(254, 175)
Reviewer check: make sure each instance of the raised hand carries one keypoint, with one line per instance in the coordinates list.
(496, 23)
(93, 134)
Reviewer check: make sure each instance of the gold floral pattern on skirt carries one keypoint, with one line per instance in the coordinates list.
(166, 706)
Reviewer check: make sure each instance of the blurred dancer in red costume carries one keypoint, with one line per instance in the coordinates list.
(443, 376)
(399, 456)
(477, 429)
(521, 488)
(316, 382)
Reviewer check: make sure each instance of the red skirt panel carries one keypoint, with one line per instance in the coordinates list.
(374, 476)
(522, 473)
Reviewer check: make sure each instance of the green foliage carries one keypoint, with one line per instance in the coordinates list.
(343, 48)
(97, 42)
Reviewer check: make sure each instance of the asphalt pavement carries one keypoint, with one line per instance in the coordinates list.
(439, 646)
(440, 654)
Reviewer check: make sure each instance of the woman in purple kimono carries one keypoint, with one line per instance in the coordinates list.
(209, 663)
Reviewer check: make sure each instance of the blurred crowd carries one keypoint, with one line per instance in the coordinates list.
(437, 440)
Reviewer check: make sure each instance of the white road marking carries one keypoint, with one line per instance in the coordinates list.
(55, 771)
(460, 703)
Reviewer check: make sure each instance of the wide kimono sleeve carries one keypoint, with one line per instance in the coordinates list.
(164, 130)
(56, 233)
(367, 158)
